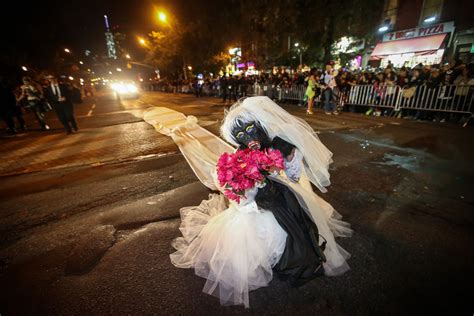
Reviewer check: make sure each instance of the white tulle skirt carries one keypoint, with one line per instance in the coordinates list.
(233, 247)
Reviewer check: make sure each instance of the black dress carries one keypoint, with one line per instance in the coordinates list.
(302, 259)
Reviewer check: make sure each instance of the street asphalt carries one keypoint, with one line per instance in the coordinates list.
(87, 220)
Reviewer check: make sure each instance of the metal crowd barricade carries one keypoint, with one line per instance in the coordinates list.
(269, 90)
(444, 98)
(295, 93)
(368, 95)
(255, 90)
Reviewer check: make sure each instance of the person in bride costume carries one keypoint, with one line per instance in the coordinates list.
(281, 226)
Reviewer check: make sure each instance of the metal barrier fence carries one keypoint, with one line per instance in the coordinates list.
(295, 92)
(449, 98)
(444, 98)
(369, 95)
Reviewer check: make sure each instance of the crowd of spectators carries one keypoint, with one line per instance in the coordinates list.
(383, 80)
(457, 73)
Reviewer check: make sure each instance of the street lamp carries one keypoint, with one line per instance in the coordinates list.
(190, 68)
(162, 16)
(142, 41)
(383, 28)
(119, 69)
(128, 56)
(430, 19)
(300, 52)
(81, 62)
(24, 68)
(67, 50)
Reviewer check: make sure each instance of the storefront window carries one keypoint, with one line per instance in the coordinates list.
(431, 8)
(390, 14)
(412, 59)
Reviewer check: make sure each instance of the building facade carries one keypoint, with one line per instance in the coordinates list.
(425, 31)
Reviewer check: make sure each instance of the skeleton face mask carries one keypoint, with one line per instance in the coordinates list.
(251, 135)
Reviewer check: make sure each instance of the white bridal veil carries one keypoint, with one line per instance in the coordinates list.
(277, 122)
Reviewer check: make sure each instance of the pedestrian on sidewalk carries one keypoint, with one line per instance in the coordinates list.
(9, 109)
(31, 96)
(225, 88)
(198, 86)
(310, 93)
(329, 84)
(60, 98)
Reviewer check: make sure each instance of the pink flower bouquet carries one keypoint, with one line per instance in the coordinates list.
(243, 169)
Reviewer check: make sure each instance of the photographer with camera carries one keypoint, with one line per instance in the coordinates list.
(31, 96)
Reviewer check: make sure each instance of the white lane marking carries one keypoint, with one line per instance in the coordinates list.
(90, 112)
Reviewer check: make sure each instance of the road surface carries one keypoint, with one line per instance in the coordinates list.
(86, 220)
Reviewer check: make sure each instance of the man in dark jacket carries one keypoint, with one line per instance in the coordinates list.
(224, 83)
(9, 109)
(59, 96)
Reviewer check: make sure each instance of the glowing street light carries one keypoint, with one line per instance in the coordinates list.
(162, 16)
(24, 68)
(81, 62)
(119, 69)
(383, 28)
(67, 50)
(110, 72)
(297, 44)
(71, 78)
(190, 68)
(142, 41)
(430, 19)
(128, 56)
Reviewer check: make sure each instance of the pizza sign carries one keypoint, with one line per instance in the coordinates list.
(447, 27)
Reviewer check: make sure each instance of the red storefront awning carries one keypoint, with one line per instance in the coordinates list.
(412, 45)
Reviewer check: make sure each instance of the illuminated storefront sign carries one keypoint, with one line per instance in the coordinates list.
(447, 27)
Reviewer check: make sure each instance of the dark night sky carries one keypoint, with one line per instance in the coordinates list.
(41, 28)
